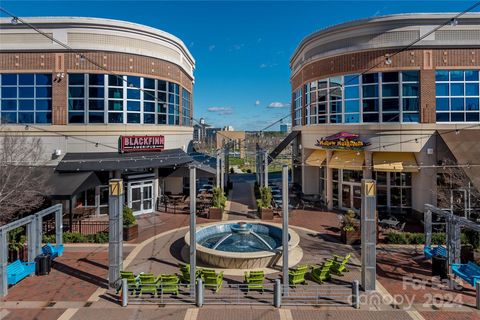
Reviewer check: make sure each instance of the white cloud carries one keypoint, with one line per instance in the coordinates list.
(277, 104)
(238, 46)
(220, 110)
(257, 102)
(211, 47)
(268, 65)
(191, 44)
(263, 65)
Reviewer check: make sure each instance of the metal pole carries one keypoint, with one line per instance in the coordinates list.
(58, 226)
(265, 159)
(199, 296)
(37, 223)
(31, 239)
(427, 217)
(115, 231)
(477, 287)
(193, 238)
(285, 225)
(355, 294)
(124, 292)
(3, 263)
(222, 173)
(277, 294)
(218, 169)
(369, 234)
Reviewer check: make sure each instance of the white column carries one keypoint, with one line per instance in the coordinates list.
(156, 188)
(329, 180)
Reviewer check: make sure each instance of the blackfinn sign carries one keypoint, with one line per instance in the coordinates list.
(342, 140)
(141, 143)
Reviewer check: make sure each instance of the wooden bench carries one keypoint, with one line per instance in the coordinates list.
(430, 251)
(470, 272)
(18, 270)
(53, 251)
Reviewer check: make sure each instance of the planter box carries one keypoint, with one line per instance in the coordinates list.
(266, 213)
(21, 254)
(350, 237)
(130, 233)
(215, 213)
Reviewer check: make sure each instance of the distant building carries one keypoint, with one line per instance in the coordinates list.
(200, 131)
(238, 137)
(228, 128)
(285, 127)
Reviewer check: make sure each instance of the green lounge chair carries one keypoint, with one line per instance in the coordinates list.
(213, 281)
(185, 273)
(297, 276)
(254, 280)
(147, 284)
(322, 273)
(131, 281)
(301, 268)
(339, 264)
(168, 283)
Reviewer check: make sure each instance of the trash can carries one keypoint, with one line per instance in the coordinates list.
(439, 267)
(43, 265)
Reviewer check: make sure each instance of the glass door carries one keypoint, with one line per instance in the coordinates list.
(346, 196)
(357, 197)
(140, 197)
(351, 196)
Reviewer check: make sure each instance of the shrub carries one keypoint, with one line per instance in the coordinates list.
(249, 170)
(74, 237)
(265, 197)
(101, 237)
(219, 198)
(49, 238)
(128, 217)
(472, 237)
(396, 238)
(349, 221)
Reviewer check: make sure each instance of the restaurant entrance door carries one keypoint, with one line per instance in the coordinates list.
(140, 196)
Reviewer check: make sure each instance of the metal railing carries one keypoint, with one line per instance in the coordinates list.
(319, 295)
(272, 294)
(159, 295)
(84, 227)
(239, 294)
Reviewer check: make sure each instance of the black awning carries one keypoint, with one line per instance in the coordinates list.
(111, 161)
(64, 185)
(203, 171)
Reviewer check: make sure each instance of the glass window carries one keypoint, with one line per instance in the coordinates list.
(352, 118)
(390, 104)
(114, 105)
(471, 75)
(162, 85)
(443, 104)
(133, 94)
(27, 94)
(115, 81)
(9, 79)
(96, 117)
(352, 93)
(76, 104)
(410, 89)
(43, 79)
(370, 117)
(456, 75)
(471, 89)
(370, 91)
(411, 104)
(410, 117)
(26, 79)
(370, 78)
(76, 92)
(410, 76)
(441, 75)
(471, 104)
(75, 79)
(133, 82)
(116, 93)
(115, 117)
(370, 105)
(133, 117)
(133, 105)
(76, 117)
(149, 83)
(96, 80)
(96, 92)
(352, 106)
(390, 77)
(96, 104)
(351, 79)
(457, 104)
(456, 89)
(390, 90)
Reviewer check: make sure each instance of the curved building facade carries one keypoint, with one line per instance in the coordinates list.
(99, 90)
(371, 105)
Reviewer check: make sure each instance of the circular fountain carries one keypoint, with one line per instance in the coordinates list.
(241, 245)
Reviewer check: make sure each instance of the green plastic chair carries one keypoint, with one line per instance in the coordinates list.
(322, 273)
(213, 281)
(131, 281)
(168, 283)
(339, 264)
(254, 280)
(297, 276)
(185, 273)
(301, 268)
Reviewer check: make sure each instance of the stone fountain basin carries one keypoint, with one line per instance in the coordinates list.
(241, 260)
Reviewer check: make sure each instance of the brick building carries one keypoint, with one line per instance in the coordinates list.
(107, 99)
(366, 108)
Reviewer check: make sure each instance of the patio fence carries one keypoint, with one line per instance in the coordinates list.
(335, 295)
(84, 227)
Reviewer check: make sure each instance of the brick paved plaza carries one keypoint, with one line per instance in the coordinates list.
(76, 288)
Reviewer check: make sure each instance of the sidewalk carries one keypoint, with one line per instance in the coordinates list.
(242, 202)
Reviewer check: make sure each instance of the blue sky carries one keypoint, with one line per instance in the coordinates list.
(242, 49)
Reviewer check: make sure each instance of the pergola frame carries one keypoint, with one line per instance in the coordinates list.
(34, 238)
(452, 231)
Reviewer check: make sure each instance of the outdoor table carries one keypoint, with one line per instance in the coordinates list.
(389, 222)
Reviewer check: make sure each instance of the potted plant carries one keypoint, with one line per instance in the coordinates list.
(218, 205)
(350, 232)
(264, 204)
(16, 244)
(130, 226)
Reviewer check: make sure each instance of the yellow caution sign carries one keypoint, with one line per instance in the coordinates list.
(370, 189)
(116, 187)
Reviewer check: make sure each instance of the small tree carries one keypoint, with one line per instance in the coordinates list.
(219, 198)
(22, 184)
(265, 200)
(128, 217)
